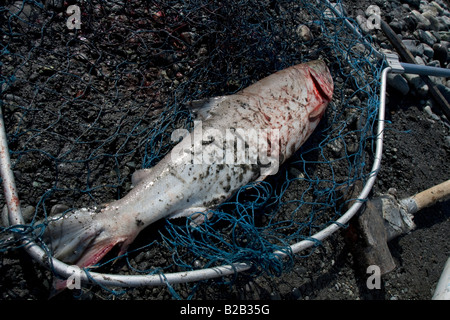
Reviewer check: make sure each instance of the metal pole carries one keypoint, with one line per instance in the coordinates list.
(9, 184)
(425, 70)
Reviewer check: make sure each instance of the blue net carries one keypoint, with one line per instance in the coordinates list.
(86, 105)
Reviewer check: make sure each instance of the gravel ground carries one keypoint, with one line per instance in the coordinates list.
(416, 157)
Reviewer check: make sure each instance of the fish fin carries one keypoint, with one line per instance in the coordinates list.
(140, 175)
(58, 286)
(199, 218)
(197, 215)
(202, 108)
(188, 212)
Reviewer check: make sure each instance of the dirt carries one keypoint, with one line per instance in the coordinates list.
(416, 156)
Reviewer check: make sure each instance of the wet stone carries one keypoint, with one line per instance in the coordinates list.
(398, 82)
(425, 37)
(417, 84)
(428, 51)
(415, 47)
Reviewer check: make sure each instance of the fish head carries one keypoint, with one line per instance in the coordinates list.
(320, 89)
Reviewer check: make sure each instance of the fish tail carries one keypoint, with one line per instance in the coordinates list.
(83, 237)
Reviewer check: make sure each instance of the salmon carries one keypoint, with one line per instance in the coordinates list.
(237, 139)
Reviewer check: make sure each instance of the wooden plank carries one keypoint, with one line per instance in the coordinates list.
(409, 58)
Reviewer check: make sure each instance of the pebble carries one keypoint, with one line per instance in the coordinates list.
(439, 9)
(428, 51)
(430, 113)
(397, 25)
(56, 4)
(414, 46)
(444, 23)
(414, 3)
(416, 82)
(296, 293)
(23, 11)
(430, 13)
(435, 24)
(275, 296)
(336, 147)
(445, 90)
(444, 35)
(420, 61)
(425, 37)
(422, 22)
(410, 22)
(447, 140)
(440, 53)
(188, 37)
(304, 33)
(398, 82)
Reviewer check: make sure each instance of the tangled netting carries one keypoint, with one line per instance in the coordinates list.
(86, 105)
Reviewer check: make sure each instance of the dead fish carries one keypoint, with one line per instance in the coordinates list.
(210, 163)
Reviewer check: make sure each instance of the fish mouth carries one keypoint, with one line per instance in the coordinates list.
(322, 87)
(322, 80)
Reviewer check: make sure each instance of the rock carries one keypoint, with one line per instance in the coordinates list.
(444, 23)
(435, 24)
(410, 22)
(414, 46)
(414, 3)
(417, 84)
(24, 11)
(440, 53)
(430, 12)
(430, 113)
(304, 33)
(398, 82)
(439, 9)
(444, 35)
(425, 37)
(444, 90)
(54, 4)
(188, 37)
(397, 25)
(203, 51)
(434, 63)
(275, 296)
(428, 51)
(420, 60)
(337, 147)
(447, 140)
(422, 22)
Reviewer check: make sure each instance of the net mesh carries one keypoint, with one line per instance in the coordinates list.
(87, 105)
